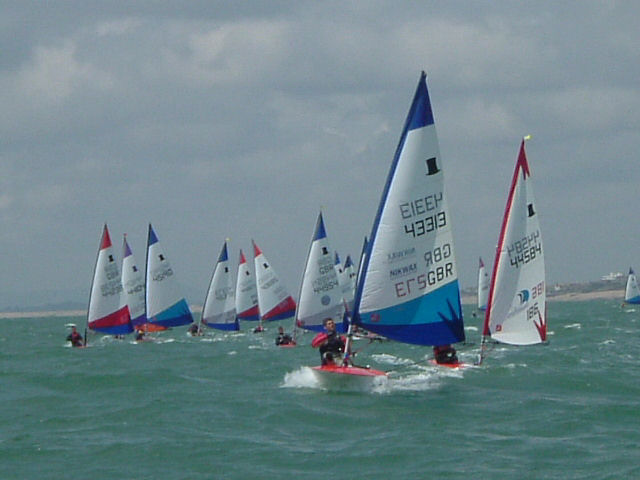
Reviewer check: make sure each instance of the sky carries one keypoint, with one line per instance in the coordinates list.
(241, 120)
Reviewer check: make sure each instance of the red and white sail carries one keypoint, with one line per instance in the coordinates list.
(108, 311)
(516, 311)
(246, 292)
(274, 301)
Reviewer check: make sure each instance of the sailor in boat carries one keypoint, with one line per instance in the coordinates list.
(258, 329)
(141, 336)
(331, 344)
(75, 338)
(194, 330)
(283, 338)
(445, 354)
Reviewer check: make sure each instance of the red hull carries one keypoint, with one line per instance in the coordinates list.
(357, 371)
(449, 365)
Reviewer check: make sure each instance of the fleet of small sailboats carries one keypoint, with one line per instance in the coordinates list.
(406, 286)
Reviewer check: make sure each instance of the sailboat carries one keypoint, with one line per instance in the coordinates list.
(408, 287)
(632, 293)
(516, 309)
(274, 302)
(166, 307)
(133, 285)
(219, 309)
(350, 281)
(320, 290)
(246, 292)
(483, 286)
(108, 311)
(345, 282)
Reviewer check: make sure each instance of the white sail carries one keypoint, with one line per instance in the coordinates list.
(274, 301)
(408, 289)
(483, 286)
(219, 309)
(133, 284)
(350, 281)
(516, 311)
(321, 294)
(246, 292)
(632, 293)
(166, 307)
(108, 312)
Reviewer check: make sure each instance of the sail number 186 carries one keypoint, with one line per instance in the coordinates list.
(426, 225)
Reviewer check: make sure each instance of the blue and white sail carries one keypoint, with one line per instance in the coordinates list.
(320, 291)
(219, 309)
(133, 284)
(632, 293)
(408, 289)
(166, 307)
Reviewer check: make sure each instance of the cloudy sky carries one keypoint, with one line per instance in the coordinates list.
(243, 119)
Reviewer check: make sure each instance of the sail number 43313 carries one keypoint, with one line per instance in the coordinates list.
(426, 225)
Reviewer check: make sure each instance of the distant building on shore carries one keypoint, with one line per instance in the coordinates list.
(612, 276)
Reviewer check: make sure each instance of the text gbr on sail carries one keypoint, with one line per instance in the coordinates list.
(440, 265)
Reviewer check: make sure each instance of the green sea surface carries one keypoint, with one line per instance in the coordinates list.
(235, 406)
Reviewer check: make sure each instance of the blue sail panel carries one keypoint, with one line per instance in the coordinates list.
(434, 319)
(174, 316)
(233, 326)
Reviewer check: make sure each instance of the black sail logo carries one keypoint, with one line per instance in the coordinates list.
(432, 166)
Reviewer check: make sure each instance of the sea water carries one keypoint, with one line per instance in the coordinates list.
(235, 406)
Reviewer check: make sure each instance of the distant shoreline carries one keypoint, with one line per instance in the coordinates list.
(569, 297)
(466, 300)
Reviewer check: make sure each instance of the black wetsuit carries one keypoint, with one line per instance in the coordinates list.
(334, 346)
(283, 339)
(445, 354)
